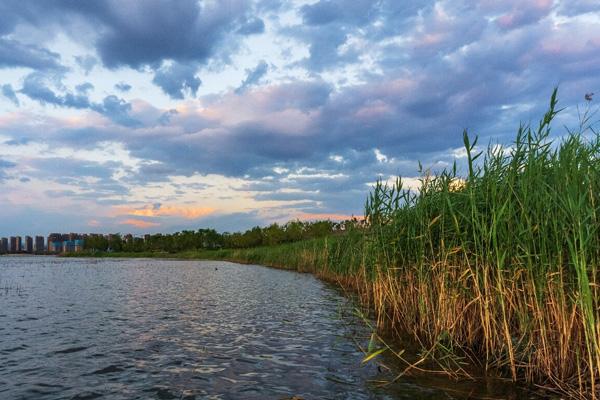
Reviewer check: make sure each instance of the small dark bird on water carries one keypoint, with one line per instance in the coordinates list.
(216, 269)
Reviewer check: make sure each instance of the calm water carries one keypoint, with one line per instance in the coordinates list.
(144, 329)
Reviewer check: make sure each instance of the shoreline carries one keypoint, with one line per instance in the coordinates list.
(350, 287)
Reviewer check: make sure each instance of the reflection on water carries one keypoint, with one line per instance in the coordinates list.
(138, 329)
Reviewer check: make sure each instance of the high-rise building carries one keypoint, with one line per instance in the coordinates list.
(4, 245)
(28, 244)
(72, 246)
(19, 244)
(79, 244)
(55, 243)
(39, 244)
(12, 246)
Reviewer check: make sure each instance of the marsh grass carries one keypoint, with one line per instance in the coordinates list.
(497, 268)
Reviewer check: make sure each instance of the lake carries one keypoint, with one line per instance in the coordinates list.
(163, 329)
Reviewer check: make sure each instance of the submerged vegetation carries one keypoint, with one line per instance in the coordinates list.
(498, 267)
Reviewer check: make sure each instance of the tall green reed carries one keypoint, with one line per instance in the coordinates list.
(499, 265)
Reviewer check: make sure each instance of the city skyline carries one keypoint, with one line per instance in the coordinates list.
(52, 243)
(161, 116)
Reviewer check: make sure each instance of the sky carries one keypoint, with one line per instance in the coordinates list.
(158, 116)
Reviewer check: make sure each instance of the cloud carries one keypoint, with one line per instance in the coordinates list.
(77, 179)
(17, 141)
(86, 63)
(123, 87)
(253, 76)
(177, 79)
(187, 212)
(324, 45)
(165, 118)
(35, 87)
(356, 13)
(84, 88)
(252, 27)
(139, 36)
(183, 31)
(139, 223)
(5, 165)
(327, 27)
(321, 13)
(9, 93)
(16, 54)
(369, 88)
(524, 14)
(116, 109)
(577, 7)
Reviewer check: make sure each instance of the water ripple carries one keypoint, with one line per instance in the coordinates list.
(136, 329)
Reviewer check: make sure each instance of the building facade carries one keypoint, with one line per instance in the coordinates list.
(38, 245)
(4, 245)
(12, 244)
(54, 243)
(72, 246)
(28, 244)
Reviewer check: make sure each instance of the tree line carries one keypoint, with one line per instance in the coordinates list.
(209, 239)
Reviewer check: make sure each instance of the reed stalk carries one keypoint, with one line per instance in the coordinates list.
(499, 266)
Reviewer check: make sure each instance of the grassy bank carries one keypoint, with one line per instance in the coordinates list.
(303, 256)
(499, 266)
